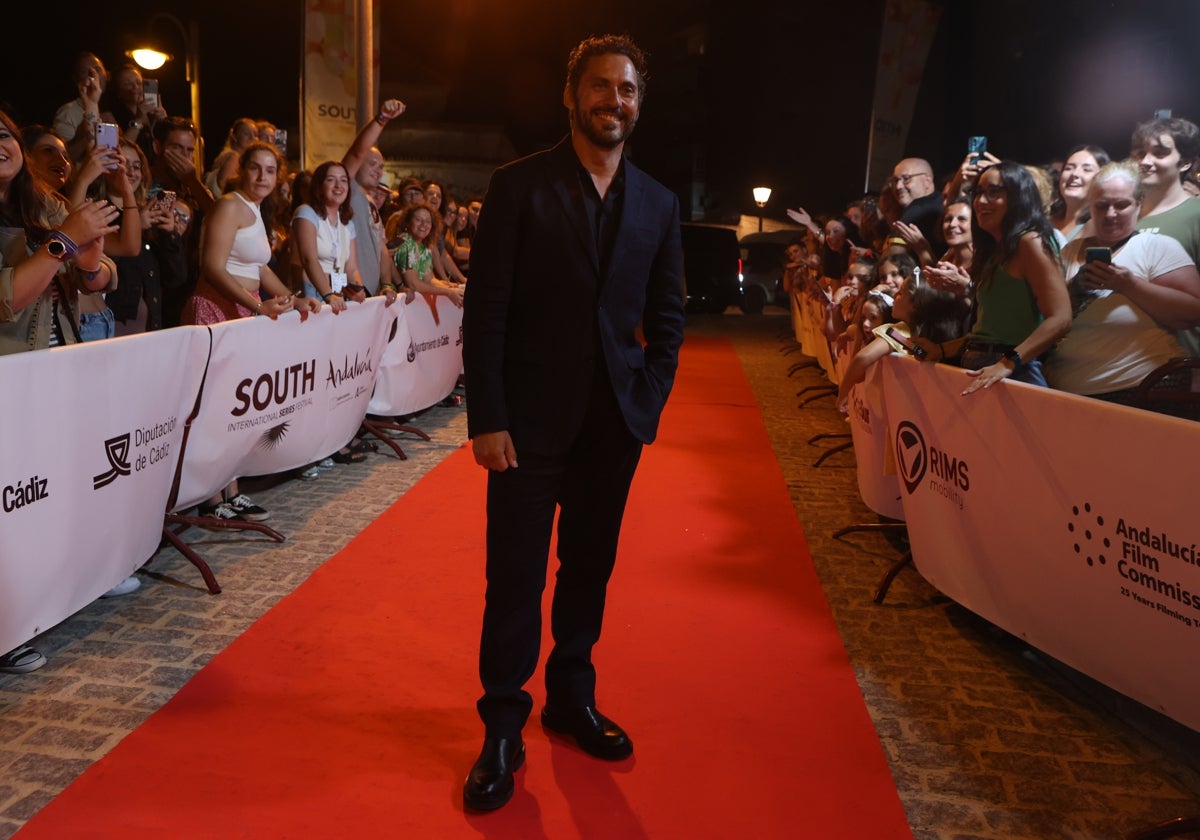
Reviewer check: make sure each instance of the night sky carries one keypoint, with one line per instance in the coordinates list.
(782, 95)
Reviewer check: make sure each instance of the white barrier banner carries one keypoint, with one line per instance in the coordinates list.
(281, 394)
(423, 360)
(877, 484)
(1067, 521)
(88, 463)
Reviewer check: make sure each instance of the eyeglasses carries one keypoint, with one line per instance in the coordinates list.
(1120, 205)
(992, 191)
(181, 216)
(906, 179)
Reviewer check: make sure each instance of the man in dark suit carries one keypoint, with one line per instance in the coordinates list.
(575, 246)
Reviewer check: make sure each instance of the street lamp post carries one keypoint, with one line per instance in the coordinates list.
(152, 59)
(761, 196)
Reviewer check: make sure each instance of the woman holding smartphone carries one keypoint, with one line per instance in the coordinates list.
(323, 239)
(1022, 307)
(234, 273)
(1130, 291)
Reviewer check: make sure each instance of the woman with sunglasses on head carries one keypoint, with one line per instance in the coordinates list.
(1022, 307)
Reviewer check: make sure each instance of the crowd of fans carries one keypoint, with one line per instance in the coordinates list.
(109, 227)
(1079, 275)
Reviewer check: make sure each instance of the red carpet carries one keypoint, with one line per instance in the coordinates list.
(348, 710)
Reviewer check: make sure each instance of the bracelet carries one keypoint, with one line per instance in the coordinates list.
(65, 240)
(387, 286)
(382, 118)
(258, 308)
(328, 296)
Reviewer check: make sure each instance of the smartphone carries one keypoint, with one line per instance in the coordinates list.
(281, 140)
(915, 349)
(1103, 255)
(976, 146)
(150, 93)
(108, 135)
(1162, 114)
(166, 200)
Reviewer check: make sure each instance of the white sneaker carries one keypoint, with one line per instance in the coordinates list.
(130, 584)
(310, 473)
(325, 464)
(21, 660)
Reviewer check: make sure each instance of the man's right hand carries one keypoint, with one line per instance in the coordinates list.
(494, 451)
(391, 108)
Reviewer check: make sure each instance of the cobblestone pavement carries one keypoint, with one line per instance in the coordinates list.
(986, 738)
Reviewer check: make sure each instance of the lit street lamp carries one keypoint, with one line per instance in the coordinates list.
(761, 196)
(151, 58)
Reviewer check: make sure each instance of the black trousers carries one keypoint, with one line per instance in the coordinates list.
(589, 485)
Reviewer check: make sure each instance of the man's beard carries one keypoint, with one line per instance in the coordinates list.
(605, 139)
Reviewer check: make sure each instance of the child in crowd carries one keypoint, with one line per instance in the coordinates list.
(920, 310)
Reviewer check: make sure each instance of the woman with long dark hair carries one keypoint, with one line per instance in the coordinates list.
(1071, 210)
(323, 239)
(1022, 306)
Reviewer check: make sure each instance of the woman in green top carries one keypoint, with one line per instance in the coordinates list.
(413, 257)
(1021, 303)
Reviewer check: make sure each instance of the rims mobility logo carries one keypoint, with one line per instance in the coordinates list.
(912, 455)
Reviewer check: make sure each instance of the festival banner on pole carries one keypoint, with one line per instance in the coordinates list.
(423, 359)
(908, 30)
(1067, 521)
(88, 472)
(281, 394)
(330, 120)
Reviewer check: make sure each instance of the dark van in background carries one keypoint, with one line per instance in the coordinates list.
(762, 269)
(712, 266)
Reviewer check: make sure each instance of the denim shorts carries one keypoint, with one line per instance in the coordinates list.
(94, 326)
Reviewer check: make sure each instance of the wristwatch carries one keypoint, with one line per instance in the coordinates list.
(135, 124)
(60, 247)
(1012, 355)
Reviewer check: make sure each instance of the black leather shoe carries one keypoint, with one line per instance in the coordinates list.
(490, 782)
(595, 734)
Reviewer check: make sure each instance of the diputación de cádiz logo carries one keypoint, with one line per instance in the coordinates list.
(1151, 564)
(117, 450)
(135, 451)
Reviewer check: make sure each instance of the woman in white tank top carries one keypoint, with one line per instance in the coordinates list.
(234, 252)
(235, 280)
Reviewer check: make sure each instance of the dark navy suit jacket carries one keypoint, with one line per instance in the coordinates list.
(537, 311)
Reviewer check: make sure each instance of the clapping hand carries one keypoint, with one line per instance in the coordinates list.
(947, 276)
